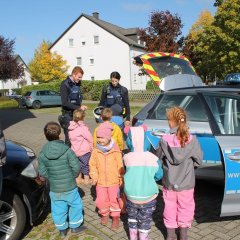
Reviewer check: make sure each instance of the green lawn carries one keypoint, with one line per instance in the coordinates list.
(6, 102)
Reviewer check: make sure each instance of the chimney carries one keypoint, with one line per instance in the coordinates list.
(96, 15)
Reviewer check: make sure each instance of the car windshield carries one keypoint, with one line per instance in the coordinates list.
(165, 66)
(191, 103)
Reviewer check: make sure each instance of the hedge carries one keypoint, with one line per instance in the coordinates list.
(91, 89)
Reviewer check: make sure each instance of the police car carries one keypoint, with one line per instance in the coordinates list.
(214, 117)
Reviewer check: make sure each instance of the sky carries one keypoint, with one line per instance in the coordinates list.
(29, 22)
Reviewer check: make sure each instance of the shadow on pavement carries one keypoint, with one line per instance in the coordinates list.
(12, 116)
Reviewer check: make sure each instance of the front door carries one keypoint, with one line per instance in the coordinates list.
(227, 118)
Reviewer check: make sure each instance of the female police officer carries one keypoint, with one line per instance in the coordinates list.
(115, 96)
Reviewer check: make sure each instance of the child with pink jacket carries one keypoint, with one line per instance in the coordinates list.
(81, 143)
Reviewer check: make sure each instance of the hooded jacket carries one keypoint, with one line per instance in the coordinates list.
(143, 168)
(59, 164)
(80, 137)
(179, 162)
(106, 168)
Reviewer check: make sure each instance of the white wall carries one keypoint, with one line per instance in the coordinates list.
(111, 54)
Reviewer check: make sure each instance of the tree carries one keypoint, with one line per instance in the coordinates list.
(162, 33)
(193, 46)
(47, 66)
(223, 38)
(218, 3)
(9, 67)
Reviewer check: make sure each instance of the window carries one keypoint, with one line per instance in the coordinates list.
(226, 112)
(79, 61)
(96, 39)
(92, 78)
(91, 61)
(83, 43)
(190, 103)
(70, 42)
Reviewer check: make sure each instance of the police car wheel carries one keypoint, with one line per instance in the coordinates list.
(36, 104)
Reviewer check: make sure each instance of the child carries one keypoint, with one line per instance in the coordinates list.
(59, 164)
(106, 116)
(143, 169)
(81, 143)
(180, 153)
(106, 170)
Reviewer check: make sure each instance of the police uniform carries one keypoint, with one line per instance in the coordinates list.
(116, 96)
(71, 99)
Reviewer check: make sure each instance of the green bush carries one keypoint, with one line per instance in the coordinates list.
(91, 90)
(151, 85)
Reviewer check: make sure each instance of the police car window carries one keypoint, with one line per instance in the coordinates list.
(226, 112)
(191, 103)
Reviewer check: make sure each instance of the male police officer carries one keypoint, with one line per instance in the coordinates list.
(115, 97)
(71, 99)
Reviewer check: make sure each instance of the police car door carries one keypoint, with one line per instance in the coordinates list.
(227, 135)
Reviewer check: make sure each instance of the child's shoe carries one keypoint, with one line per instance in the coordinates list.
(63, 233)
(171, 234)
(115, 223)
(133, 233)
(143, 236)
(104, 220)
(78, 229)
(183, 233)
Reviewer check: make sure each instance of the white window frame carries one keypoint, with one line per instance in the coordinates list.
(91, 61)
(70, 42)
(79, 61)
(96, 39)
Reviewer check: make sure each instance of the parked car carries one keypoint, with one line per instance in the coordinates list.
(40, 98)
(24, 195)
(232, 78)
(214, 117)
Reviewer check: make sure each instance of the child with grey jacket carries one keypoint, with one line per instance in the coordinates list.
(180, 153)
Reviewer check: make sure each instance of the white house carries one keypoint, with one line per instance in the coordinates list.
(17, 83)
(100, 48)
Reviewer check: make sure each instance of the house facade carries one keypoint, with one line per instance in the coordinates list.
(100, 48)
(17, 83)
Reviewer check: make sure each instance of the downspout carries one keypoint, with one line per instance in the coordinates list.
(130, 66)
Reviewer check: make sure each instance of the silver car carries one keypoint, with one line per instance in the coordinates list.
(214, 117)
(39, 98)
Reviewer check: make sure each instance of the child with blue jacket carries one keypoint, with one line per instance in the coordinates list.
(143, 169)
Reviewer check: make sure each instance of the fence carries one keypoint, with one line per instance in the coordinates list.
(142, 95)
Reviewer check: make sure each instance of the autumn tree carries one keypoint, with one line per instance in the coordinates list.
(223, 39)
(9, 66)
(194, 48)
(47, 66)
(163, 32)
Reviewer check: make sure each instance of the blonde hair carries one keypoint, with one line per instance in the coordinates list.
(179, 116)
(78, 115)
(106, 114)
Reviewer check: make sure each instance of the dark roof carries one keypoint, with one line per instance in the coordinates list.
(115, 30)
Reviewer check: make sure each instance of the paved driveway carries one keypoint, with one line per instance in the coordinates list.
(27, 128)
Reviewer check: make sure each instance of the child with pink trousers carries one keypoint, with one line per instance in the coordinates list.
(81, 143)
(106, 171)
(180, 153)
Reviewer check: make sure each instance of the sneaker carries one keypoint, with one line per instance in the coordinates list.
(78, 229)
(63, 233)
(104, 220)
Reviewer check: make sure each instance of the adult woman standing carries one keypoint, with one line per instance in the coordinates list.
(115, 96)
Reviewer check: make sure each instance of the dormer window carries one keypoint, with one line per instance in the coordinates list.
(70, 42)
(96, 39)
